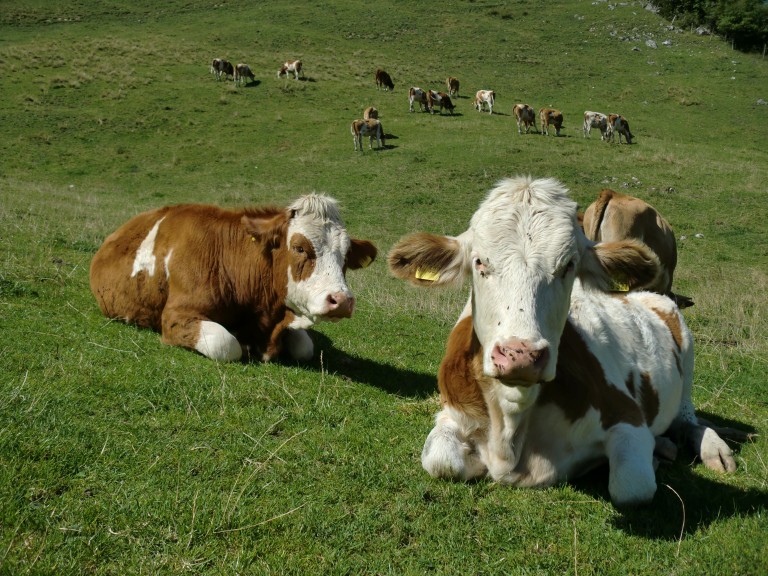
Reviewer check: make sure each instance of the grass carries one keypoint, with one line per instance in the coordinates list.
(121, 456)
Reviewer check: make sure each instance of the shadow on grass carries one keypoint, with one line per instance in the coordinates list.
(253, 84)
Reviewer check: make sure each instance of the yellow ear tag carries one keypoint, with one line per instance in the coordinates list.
(619, 284)
(428, 275)
(365, 262)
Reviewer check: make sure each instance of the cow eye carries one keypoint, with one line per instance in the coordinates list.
(298, 249)
(567, 269)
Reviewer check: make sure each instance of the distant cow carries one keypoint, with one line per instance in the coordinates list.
(221, 67)
(416, 94)
(547, 374)
(453, 86)
(242, 72)
(370, 113)
(440, 99)
(371, 128)
(614, 217)
(231, 284)
(484, 98)
(291, 67)
(525, 116)
(617, 124)
(596, 120)
(553, 117)
(383, 80)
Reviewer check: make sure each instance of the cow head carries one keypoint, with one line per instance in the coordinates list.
(310, 236)
(523, 252)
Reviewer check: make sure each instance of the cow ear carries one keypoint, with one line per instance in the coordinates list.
(620, 266)
(361, 254)
(428, 259)
(267, 229)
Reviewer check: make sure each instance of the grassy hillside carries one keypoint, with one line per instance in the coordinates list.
(121, 456)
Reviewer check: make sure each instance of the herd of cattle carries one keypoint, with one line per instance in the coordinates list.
(568, 353)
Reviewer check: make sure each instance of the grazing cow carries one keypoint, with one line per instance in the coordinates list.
(453, 86)
(371, 128)
(416, 94)
(440, 99)
(231, 284)
(596, 120)
(291, 67)
(370, 113)
(222, 67)
(546, 374)
(613, 217)
(483, 98)
(618, 124)
(525, 116)
(550, 116)
(383, 80)
(215, 66)
(242, 72)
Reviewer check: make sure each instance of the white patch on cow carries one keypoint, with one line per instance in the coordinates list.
(299, 344)
(145, 254)
(449, 451)
(217, 343)
(166, 264)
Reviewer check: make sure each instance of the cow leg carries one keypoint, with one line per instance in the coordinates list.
(631, 478)
(299, 344)
(448, 453)
(197, 333)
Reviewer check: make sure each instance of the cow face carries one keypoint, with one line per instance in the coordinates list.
(523, 252)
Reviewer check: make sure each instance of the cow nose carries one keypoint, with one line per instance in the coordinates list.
(340, 305)
(520, 360)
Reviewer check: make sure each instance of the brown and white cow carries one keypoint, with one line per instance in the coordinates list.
(221, 67)
(546, 374)
(416, 94)
(371, 128)
(553, 117)
(452, 84)
(231, 284)
(383, 80)
(242, 73)
(484, 98)
(617, 124)
(613, 217)
(291, 67)
(525, 116)
(596, 120)
(370, 113)
(441, 99)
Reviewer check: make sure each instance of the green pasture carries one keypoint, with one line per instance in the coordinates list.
(120, 456)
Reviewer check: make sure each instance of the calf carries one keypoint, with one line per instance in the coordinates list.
(596, 120)
(525, 116)
(371, 128)
(416, 94)
(291, 67)
(618, 124)
(546, 374)
(483, 98)
(231, 284)
(383, 80)
(550, 116)
(440, 99)
(453, 86)
(242, 72)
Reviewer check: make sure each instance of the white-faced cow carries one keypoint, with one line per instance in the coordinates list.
(484, 98)
(221, 67)
(291, 67)
(242, 73)
(419, 96)
(441, 99)
(596, 120)
(525, 116)
(550, 117)
(383, 80)
(617, 124)
(453, 86)
(546, 374)
(371, 128)
(370, 113)
(231, 284)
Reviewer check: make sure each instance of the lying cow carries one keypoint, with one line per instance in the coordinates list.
(370, 113)
(596, 120)
(419, 96)
(484, 98)
(525, 116)
(550, 117)
(441, 99)
(383, 80)
(452, 84)
(221, 67)
(546, 374)
(371, 128)
(617, 124)
(231, 284)
(242, 72)
(291, 67)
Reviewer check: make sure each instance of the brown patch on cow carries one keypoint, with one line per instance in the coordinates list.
(630, 382)
(462, 365)
(302, 257)
(672, 320)
(580, 384)
(649, 399)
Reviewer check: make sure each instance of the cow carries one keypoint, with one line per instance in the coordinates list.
(525, 116)
(242, 73)
(221, 67)
(546, 374)
(613, 217)
(596, 120)
(371, 128)
(550, 116)
(370, 113)
(416, 94)
(291, 67)
(383, 80)
(231, 284)
(215, 66)
(453, 86)
(617, 124)
(483, 98)
(440, 99)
